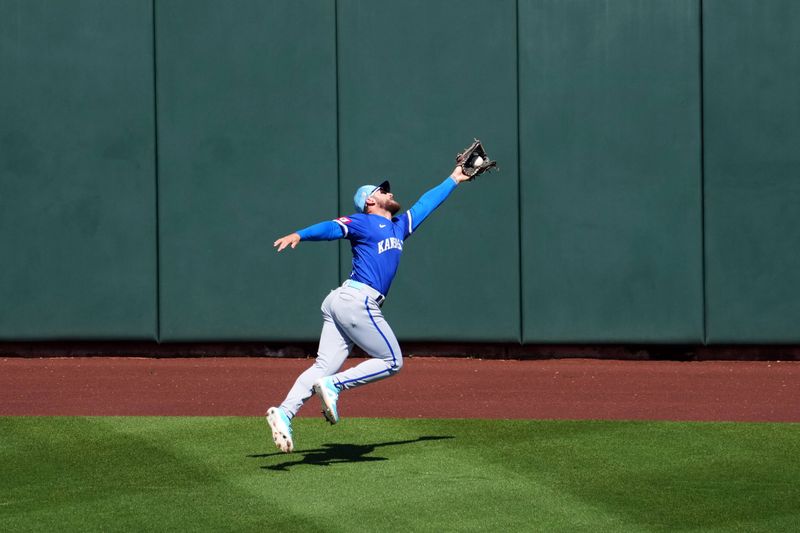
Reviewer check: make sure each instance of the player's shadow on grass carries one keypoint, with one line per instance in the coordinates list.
(339, 453)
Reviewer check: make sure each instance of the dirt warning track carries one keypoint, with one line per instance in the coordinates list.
(427, 387)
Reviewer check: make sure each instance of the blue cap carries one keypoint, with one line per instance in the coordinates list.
(365, 191)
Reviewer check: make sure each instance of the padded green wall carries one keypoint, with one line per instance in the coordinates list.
(414, 87)
(77, 176)
(611, 174)
(247, 153)
(752, 169)
(148, 160)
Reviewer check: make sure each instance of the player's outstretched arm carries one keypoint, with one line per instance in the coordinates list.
(324, 231)
(432, 199)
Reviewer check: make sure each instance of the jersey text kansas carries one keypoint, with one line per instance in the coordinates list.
(392, 243)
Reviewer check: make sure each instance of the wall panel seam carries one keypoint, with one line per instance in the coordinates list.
(155, 165)
(520, 298)
(338, 134)
(702, 177)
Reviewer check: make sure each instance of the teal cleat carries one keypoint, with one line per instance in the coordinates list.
(281, 428)
(328, 392)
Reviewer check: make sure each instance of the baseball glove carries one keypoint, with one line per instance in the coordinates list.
(474, 160)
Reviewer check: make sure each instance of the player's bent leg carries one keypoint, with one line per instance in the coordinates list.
(334, 347)
(360, 320)
(374, 336)
(367, 372)
(329, 387)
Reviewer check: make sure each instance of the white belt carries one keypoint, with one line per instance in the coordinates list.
(366, 289)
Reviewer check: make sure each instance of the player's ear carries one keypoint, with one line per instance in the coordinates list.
(370, 201)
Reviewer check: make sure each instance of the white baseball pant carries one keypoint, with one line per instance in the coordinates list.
(350, 316)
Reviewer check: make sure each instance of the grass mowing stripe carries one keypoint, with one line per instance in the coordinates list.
(253, 502)
(155, 473)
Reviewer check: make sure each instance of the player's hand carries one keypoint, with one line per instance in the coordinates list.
(290, 240)
(458, 174)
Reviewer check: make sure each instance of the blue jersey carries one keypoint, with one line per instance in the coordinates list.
(377, 242)
(377, 245)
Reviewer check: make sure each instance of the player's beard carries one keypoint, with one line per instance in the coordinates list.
(392, 206)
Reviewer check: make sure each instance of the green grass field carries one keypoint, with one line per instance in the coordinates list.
(222, 474)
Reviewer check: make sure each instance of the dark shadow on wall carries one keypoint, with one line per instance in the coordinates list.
(290, 349)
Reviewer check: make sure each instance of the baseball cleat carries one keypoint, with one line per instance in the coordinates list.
(281, 428)
(328, 392)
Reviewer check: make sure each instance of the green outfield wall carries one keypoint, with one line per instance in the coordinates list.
(77, 170)
(611, 176)
(152, 150)
(247, 151)
(751, 66)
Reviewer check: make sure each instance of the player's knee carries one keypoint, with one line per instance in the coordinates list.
(396, 364)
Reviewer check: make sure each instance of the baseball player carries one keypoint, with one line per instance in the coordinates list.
(352, 313)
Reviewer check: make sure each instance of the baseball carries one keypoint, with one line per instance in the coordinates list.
(478, 161)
